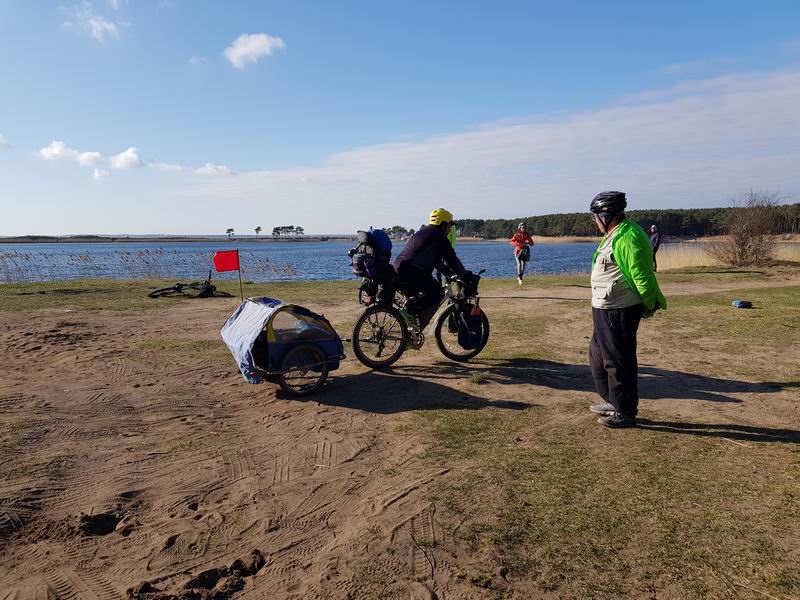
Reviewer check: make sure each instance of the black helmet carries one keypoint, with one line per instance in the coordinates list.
(609, 202)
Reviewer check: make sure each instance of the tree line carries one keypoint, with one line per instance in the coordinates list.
(677, 222)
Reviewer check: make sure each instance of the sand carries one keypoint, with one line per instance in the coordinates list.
(143, 469)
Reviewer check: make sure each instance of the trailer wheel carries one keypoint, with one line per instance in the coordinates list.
(304, 370)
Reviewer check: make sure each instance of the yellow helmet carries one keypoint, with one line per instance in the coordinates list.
(439, 216)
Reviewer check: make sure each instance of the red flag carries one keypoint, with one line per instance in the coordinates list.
(226, 260)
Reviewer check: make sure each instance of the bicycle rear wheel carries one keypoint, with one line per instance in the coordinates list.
(446, 333)
(379, 337)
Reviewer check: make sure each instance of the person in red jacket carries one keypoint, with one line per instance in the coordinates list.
(522, 243)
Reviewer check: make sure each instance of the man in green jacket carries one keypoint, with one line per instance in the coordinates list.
(624, 290)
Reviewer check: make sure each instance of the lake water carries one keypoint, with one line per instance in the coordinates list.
(261, 261)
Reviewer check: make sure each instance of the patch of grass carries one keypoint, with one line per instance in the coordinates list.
(478, 378)
(481, 580)
(492, 287)
(580, 511)
(774, 320)
(108, 294)
(786, 579)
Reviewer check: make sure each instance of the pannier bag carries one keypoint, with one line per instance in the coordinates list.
(470, 330)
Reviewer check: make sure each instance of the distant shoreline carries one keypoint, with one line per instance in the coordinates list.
(189, 239)
(102, 239)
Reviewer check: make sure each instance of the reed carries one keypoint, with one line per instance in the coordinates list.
(679, 256)
(696, 254)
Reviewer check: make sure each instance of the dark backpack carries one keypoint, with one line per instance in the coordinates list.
(372, 255)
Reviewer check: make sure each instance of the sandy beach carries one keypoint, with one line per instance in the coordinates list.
(136, 462)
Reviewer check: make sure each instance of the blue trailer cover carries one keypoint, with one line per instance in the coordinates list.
(241, 330)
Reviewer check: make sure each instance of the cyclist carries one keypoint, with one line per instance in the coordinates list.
(426, 249)
(624, 290)
(522, 243)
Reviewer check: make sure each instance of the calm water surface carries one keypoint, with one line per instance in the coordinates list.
(261, 261)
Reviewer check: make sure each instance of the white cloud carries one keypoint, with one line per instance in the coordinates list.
(58, 150)
(166, 167)
(196, 61)
(82, 19)
(100, 174)
(214, 170)
(129, 159)
(3, 142)
(90, 159)
(694, 144)
(117, 4)
(249, 47)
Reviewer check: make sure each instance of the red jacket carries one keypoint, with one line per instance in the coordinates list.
(520, 239)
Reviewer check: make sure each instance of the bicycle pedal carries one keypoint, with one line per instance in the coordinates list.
(416, 340)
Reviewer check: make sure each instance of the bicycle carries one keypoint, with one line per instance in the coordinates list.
(197, 289)
(381, 334)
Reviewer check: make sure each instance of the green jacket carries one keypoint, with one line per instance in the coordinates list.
(634, 256)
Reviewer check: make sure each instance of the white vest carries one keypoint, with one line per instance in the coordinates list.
(609, 288)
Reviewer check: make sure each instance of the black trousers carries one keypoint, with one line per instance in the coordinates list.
(612, 357)
(425, 293)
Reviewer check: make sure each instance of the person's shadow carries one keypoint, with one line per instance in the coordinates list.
(743, 433)
(655, 383)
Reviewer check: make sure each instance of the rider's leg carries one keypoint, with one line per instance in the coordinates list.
(429, 301)
(425, 293)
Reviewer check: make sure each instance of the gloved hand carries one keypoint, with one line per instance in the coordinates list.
(649, 313)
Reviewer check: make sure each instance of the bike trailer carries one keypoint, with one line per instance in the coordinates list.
(277, 342)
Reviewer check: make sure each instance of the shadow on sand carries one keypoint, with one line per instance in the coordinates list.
(654, 382)
(394, 390)
(743, 433)
(416, 387)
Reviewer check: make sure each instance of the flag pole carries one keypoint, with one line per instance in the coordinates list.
(239, 264)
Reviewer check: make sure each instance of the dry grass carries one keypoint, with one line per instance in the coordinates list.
(700, 502)
(694, 254)
(680, 256)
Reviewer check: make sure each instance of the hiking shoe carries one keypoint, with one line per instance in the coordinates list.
(519, 279)
(604, 408)
(617, 421)
(411, 320)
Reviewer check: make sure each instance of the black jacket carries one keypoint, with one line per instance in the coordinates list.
(655, 240)
(426, 248)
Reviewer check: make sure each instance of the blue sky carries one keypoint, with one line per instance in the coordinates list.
(192, 116)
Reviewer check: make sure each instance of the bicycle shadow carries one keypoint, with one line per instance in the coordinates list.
(654, 382)
(392, 391)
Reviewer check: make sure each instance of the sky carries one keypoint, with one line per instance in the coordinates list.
(192, 116)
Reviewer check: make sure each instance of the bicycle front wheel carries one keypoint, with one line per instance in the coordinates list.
(379, 337)
(446, 333)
